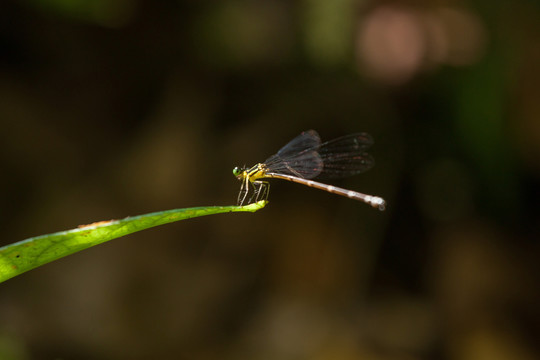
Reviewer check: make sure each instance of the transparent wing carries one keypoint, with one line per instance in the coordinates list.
(299, 157)
(305, 157)
(307, 165)
(346, 156)
(306, 140)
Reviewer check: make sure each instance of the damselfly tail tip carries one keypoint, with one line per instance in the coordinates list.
(377, 202)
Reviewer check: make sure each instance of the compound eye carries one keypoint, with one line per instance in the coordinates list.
(237, 171)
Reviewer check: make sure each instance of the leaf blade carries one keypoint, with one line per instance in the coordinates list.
(31, 253)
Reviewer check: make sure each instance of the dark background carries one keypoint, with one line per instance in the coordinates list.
(117, 108)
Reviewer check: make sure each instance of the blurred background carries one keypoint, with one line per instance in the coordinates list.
(113, 108)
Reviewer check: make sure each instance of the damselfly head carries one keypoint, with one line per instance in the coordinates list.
(239, 172)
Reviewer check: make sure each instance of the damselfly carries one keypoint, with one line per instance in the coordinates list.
(305, 158)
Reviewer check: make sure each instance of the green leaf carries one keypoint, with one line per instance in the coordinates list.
(33, 252)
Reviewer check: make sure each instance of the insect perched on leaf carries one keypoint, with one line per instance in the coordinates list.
(305, 158)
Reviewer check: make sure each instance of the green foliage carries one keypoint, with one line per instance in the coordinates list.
(33, 252)
(100, 12)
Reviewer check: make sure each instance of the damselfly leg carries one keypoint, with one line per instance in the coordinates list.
(244, 189)
(262, 189)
